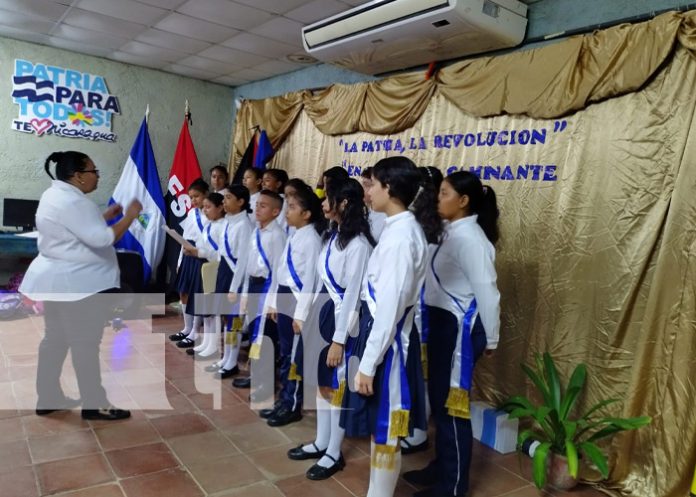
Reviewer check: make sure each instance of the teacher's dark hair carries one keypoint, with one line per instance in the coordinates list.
(67, 164)
(406, 184)
(482, 201)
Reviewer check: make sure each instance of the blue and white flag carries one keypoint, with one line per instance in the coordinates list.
(140, 181)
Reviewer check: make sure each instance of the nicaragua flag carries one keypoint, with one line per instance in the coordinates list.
(140, 180)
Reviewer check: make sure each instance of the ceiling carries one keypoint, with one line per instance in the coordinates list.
(224, 41)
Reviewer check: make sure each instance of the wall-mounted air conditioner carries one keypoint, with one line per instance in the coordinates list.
(386, 35)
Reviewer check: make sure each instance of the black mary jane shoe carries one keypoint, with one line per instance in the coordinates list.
(65, 405)
(107, 414)
(317, 472)
(407, 448)
(221, 374)
(177, 337)
(284, 416)
(299, 454)
(186, 343)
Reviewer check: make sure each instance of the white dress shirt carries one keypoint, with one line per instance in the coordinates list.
(377, 220)
(209, 240)
(234, 247)
(272, 240)
(347, 267)
(465, 267)
(395, 275)
(194, 224)
(302, 249)
(252, 204)
(76, 254)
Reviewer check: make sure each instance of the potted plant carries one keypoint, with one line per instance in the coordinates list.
(563, 436)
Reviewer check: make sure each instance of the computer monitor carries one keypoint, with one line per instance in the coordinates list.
(19, 213)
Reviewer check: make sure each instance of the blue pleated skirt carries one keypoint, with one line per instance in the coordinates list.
(355, 417)
(185, 273)
(327, 326)
(195, 284)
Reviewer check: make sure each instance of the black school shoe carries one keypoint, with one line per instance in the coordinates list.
(221, 374)
(299, 454)
(284, 416)
(242, 382)
(177, 337)
(186, 343)
(317, 472)
(426, 477)
(269, 413)
(65, 405)
(107, 414)
(407, 448)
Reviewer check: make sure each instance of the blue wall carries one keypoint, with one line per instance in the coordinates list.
(546, 17)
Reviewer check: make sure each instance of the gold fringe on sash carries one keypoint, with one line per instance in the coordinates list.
(231, 337)
(255, 351)
(458, 403)
(292, 375)
(424, 360)
(398, 426)
(337, 398)
(384, 456)
(237, 324)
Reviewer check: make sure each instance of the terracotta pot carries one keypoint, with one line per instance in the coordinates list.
(558, 475)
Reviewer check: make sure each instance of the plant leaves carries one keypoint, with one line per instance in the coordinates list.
(615, 425)
(525, 434)
(598, 406)
(572, 456)
(595, 455)
(539, 464)
(516, 401)
(553, 381)
(520, 412)
(538, 382)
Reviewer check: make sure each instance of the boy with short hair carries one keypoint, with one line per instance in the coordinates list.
(265, 252)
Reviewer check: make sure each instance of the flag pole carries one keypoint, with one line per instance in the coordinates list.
(187, 113)
(147, 114)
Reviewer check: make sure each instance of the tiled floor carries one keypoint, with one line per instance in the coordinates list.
(191, 449)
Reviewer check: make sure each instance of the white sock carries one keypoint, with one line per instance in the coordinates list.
(207, 333)
(188, 323)
(231, 360)
(226, 349)
(323, 426)
(383, 481)
(212, 337)
(335, 440)
(197, 322)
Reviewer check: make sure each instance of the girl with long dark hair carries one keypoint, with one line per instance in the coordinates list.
(388, 373)
(463, 305)
(341, 266)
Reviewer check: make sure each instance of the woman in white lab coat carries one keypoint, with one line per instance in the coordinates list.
(75, 268)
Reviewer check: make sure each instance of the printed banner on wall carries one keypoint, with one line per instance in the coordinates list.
(62, 102)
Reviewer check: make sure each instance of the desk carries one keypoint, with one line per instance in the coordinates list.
(15, 245)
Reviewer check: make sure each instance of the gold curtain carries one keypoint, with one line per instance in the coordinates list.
(598, 213)
(546, 82)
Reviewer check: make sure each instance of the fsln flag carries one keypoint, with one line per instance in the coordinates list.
(185, 169)
(140, 181)
(257, 154)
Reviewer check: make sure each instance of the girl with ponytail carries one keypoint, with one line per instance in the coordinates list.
(463, 305)
(390, 371)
